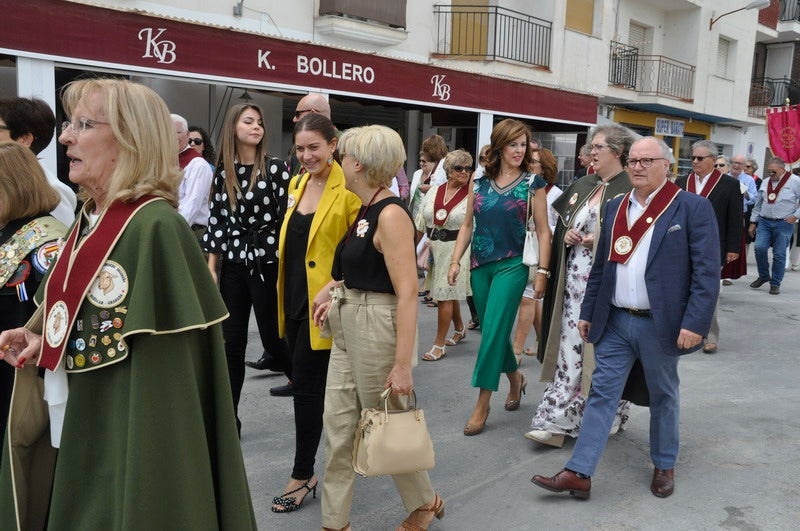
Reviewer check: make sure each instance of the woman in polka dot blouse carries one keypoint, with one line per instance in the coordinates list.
(247, 208)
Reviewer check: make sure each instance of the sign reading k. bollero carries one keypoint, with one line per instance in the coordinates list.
(136, 41)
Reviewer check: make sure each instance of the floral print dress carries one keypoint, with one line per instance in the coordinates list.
(561, 408)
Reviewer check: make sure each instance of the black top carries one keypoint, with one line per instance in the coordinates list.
(357, 261)
(295, 299)
(251, 231)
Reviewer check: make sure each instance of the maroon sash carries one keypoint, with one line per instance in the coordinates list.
(713, 179)
(441, 209)
(67, 285)
(625, 238)
(772, 193)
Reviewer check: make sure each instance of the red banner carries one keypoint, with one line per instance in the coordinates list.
(783, 124)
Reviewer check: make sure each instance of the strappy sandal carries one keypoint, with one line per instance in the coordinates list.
(289, 503)
(431, 356)
(453, 341)
(437, 509)
(473, 325)
(426, 299)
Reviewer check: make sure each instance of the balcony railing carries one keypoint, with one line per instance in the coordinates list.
(470, 32)
(771, 92)
(650, 75)
(392, 13)
(790, 10)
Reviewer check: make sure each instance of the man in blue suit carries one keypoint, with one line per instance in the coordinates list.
(651, 294)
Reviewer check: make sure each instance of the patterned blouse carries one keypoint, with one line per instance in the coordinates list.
(250, 231)
(500, 218)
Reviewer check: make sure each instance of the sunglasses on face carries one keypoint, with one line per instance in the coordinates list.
(700, 157)
(298, 114)
(459, 169)
(720, 165)
(195, 141)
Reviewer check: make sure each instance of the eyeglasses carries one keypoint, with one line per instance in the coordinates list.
(646, 163)
(298, 114)
(195, 141)
(597, 147)
(723, 165)
(81, 125)
(700, 157)
(459, 169)
(748, 165)
(772, 172)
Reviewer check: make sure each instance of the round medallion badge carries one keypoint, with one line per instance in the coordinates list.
(57, 324)
(441, 214)
(110, 287)
(772, 196)
(623, 245)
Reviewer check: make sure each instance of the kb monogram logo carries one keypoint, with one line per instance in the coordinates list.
(163, 50)
(441, 90)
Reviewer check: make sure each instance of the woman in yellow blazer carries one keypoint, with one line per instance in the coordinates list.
(319, 212)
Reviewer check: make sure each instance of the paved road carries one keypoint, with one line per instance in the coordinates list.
(740, 440)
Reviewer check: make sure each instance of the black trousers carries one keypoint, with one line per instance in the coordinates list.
(242, 291)
(309, 372)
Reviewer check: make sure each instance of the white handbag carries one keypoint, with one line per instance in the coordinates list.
(530, 251)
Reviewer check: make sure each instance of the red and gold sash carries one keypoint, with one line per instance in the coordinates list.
(67, 285)
(626, 238)
(691, 183)
(772, 193)
(441, 209)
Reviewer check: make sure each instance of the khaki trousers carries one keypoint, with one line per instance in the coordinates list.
(363, 353)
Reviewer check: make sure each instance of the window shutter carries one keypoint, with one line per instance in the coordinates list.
(636, 35)
(723, 50)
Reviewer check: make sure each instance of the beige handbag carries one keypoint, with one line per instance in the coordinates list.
(392, 442)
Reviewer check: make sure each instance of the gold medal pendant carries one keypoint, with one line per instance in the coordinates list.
(772, 196)
(623, 245)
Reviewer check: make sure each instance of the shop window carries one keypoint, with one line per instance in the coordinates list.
(685, 153)
(581, 16)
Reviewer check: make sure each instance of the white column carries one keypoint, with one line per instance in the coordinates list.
(36, 78)
(485, 125)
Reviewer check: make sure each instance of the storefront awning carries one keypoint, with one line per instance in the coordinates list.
(79, 34)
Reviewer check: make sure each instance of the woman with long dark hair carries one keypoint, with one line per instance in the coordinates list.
(248, 203)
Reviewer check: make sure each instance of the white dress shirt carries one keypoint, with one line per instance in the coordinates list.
(194, 191)
(700, 183)
(631, 289)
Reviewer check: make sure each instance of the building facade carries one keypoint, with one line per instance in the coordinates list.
(421, 67)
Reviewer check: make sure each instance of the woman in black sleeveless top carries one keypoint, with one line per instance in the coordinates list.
(373, 319)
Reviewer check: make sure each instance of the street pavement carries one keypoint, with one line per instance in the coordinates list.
(739, 460)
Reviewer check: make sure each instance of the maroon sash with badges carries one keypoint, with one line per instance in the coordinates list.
(625, 238)
(67, 284)
(441, 209)
(691, 183)
(772, 193)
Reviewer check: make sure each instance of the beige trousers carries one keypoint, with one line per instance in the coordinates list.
(363, 326)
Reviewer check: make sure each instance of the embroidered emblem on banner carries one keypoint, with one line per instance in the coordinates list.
(56, 324)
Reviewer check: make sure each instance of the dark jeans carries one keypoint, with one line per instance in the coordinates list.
(242, 291)
(309, 371)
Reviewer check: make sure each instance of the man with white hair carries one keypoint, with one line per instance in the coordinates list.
(196, 183)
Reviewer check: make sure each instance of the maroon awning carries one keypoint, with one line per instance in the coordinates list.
(71, 32)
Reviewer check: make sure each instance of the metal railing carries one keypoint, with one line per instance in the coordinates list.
(492, 33)
(772, 92)
(790, 10)
(650, 75)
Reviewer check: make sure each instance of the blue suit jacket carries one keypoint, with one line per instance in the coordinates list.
(682, 274)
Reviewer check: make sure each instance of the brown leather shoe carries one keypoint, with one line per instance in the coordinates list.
(663, 482)
(566, 480)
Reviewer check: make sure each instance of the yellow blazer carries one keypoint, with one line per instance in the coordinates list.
(337, 210)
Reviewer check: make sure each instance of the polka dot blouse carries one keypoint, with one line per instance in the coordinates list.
(250, 231)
